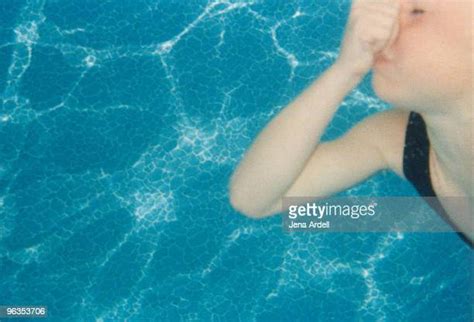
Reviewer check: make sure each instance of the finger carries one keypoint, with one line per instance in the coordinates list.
(387, 12)
(377, 20)
(384, 8)
(359, 3)
(394, 34)
(381, 39)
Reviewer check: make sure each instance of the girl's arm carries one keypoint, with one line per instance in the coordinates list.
(281, 150)
(286, 147)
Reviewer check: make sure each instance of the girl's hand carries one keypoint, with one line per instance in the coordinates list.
(372, 26)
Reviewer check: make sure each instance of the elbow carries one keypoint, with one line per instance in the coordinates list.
(243, 202)
(244, 207)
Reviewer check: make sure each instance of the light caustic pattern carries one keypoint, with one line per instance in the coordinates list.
(120, 124)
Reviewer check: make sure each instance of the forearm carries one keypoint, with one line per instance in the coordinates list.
(281, 150)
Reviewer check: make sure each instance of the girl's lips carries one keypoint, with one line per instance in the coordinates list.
(381, 59)
(383, 64)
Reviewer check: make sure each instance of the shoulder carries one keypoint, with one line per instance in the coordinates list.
(386, 132)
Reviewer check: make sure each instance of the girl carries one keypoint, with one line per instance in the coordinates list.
(420, 52)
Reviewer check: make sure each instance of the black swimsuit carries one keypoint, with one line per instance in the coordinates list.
(416, 165)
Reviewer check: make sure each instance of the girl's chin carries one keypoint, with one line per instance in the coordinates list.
(389, 93)
(382, 88)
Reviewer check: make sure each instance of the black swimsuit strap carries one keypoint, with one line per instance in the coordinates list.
(416, 157)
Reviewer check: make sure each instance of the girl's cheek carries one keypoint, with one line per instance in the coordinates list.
(414, 33)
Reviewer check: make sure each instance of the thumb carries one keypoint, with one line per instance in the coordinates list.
(396, 27)
(394, 34)
(393, 37)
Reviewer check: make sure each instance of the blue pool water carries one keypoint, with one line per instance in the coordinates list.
(120, 124)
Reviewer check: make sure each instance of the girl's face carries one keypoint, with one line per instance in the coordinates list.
(430, 62)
